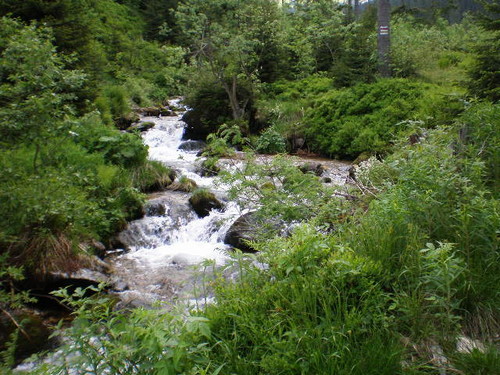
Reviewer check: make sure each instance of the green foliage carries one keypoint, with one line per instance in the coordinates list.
(36, 89)
(320, 309)
(484, 72)
(209, 105)
(276, 186)
(210, 167)
(136, 341)
(438, 52)
(480, 135)
(480, 362)
(455, 207)
(184, 184)
(152, 176)
(270, 142)
(363, 118)
(119, 148)
(113, 102)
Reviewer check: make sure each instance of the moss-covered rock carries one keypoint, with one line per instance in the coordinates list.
(204, 201)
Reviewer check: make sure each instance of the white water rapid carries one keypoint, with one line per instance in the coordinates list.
(166, 245)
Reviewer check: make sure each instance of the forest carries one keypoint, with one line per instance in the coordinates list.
(397, 272)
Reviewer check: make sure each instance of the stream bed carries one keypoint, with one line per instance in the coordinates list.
(164, 248)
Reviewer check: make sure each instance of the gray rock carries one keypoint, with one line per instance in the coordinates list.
(243, 229)
(314, 168)
(141, 126)
(192, 145)
(155, 208)
(203, 202)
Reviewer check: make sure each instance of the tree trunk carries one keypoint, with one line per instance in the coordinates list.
(232, 92)
(384, 37)
(356, 9)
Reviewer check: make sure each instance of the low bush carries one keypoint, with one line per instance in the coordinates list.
(320, 309)
(119, 148)
(436, 193)
(363, 118)
(271, 142)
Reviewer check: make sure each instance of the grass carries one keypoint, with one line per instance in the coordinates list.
(152, 176)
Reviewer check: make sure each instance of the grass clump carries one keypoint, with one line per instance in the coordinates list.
(184, 184)
(152, 176)
(320, 309)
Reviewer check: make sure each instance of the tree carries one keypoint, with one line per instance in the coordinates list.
(35, 89)
(384, 41)
(229, 39)
(485, 73)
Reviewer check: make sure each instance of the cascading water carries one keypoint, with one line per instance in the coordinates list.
(164, 246)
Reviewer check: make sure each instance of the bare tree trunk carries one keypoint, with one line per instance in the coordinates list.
(232, 92)
(384, 38)
(356, 9)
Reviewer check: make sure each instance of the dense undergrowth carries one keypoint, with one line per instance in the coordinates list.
(379, 291)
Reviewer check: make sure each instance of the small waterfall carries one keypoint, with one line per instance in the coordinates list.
(166, 245)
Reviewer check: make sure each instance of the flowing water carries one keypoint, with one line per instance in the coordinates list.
(164, 247)
(166, 251)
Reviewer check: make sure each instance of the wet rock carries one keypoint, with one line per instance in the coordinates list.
(155, 208)
(93, 247)
(352, 172)
(243, 229)
(467, 345)
(155, 111)
(192, 145)
(314, 168)
(141, 126)
(203, 201)
(296, 142)
(94, 273)
(364, 156)
(116, 243)
(126, 121)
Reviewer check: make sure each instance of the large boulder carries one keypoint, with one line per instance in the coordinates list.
(126, 121)
(155, 111)
(243, 229)
(203, 202)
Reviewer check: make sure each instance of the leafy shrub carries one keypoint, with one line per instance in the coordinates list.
(114, 100)
(434, 52)
(480, 362)
(209, 108)
(362, 118)
(437, 193)
(210, 167)
(314, 300)
(275, 188)
(119, 148)
(134, 341)
(271, 142)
